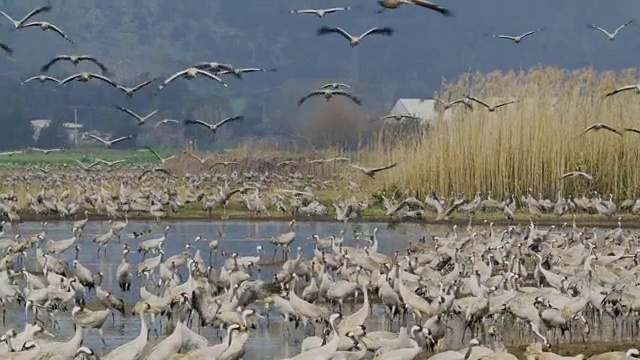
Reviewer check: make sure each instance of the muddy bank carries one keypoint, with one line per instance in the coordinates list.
(588, 221)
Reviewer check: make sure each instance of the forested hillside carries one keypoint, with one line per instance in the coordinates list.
(140, 39)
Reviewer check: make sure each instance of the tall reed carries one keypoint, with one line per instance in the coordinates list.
(523, 146)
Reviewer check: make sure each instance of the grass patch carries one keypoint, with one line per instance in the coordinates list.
(33, 158)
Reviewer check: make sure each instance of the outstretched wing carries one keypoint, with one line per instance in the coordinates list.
(70, 78)
(506, 103)
(304, 11)
(153, 152)
(358, 167)
(478, 101)
(388, 31)
(95, 61)
(141, 85)
(173, 77)
(352, 97)
(166, 121)
(33, 13)
(338, 30)
(6, 48)
(233, 118)
(566, 175)
(433, 6)
(123, 138)
(386, 167)
(505, 37)
(103, 78)
(198, 122)
(461, 101)
(332, 10)
(97, 138)
(624, 88)
(46, 66)
(530, 33)
(195, 156)
(9, 18)
(622, 26)
(596, 27)
(60, 32)
(304, 98)
(128, 112)
(211, 76)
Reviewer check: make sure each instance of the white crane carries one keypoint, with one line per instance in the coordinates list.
(109, 143)
(213, 127)
(18, 24)
(518, 39)
(611, 36)
(321, 12)
(141, 119)
(129, 91)
(191, 73)
(355, 40)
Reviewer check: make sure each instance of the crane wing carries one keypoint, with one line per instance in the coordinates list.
(33, 13)
(622, 26)
(388, 31)
(97, 138)
(141, 85)
(338, 30)
(60, 32)
(624, 88)
(478, 101)
(128, 112)
(198, 122)
(506, 103)
(433, 6)
(123, 138)
(153, 152)
(596, 27)
(173, 77)
(46, 66)
(352, 97)
(386, 167)
(98, 63)
(304, 98)
(211, 76)
(505, 37)
(103, 78)
(233, 118)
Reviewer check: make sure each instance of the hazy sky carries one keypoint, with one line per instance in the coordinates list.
(162, 37)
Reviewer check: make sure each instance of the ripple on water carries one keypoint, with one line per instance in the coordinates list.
(268, 342)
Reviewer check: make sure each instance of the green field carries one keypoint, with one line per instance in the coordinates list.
(36, 158)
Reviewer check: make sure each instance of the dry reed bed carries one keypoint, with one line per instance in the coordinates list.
(259, 159)
(526, 145)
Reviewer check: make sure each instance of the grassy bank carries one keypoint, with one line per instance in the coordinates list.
(526, 145)
(33, 158)
(375, 213)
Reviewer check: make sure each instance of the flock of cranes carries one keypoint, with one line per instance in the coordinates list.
(210, 70)
(465, 286)
(459, 287)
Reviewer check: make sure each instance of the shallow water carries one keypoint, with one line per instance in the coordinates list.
(268, 341)
(238, 236)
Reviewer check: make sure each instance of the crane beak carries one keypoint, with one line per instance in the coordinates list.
(45, 332)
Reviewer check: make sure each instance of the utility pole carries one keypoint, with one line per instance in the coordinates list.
(75, 121)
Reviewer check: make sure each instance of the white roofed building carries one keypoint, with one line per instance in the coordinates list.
(424, 109)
